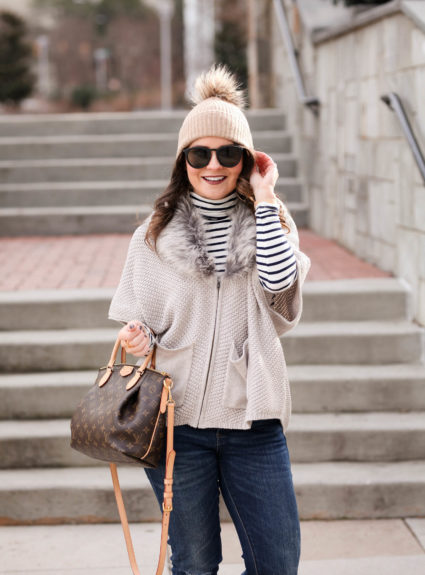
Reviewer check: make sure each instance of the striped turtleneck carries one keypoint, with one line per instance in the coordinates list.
(276, 263)
(216, 214)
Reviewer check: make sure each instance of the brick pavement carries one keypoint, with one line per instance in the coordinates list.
(96, 261)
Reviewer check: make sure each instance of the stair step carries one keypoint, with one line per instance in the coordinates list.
(46, 395)
(120, 122)
(380, 299)
(117, 145)
(53, 350)
(309, 343)
(336, 490)
(85, 220)
(363, 342)
(314, 389)
(356, 299)
(92, 169)
(56, 309)
(373, 436)
(82, 220)
(339, 490)
(380, 436)
(108, 193)
(351, 388)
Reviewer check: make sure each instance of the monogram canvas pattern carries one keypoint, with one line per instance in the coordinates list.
(120, 426)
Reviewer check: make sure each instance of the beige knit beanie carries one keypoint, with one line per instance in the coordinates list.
(217, 111)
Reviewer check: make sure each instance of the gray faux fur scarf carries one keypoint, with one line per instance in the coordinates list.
(182, 243)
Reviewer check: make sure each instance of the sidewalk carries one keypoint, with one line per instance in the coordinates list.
(96, 261)
(363, 547)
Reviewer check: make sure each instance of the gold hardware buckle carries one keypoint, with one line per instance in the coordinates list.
(168, 508)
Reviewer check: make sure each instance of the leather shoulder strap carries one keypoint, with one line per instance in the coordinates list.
(167, 505)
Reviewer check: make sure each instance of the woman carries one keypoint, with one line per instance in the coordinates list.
(214, 278)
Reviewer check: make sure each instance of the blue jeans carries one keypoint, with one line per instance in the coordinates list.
(252, 470)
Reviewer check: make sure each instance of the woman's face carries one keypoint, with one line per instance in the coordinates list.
(203, 185)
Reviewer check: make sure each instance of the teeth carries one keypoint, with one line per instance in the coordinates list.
(214, 178)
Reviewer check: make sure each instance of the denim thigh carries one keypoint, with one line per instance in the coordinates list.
(252, 470)
(194, 532)
(257, 487)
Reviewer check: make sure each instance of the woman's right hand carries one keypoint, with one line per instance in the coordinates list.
(134, 339)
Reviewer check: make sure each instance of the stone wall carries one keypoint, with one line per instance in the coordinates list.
(364, 187)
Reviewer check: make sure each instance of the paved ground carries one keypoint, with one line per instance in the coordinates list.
(96, 261)
(360, 547)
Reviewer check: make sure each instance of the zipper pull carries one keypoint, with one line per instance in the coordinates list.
(218, 282)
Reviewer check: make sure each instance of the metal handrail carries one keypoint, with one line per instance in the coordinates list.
(394, 103)
(310, 102)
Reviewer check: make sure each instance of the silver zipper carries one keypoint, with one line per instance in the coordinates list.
(212, 349)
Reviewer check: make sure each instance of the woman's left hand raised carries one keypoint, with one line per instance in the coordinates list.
(264, 177)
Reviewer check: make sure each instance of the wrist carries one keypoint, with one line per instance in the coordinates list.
(265, 194)
(272, 200)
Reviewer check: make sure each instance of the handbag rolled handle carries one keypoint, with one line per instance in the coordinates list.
(110, 367)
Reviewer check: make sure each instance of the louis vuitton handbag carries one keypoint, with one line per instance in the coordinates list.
(128, 417)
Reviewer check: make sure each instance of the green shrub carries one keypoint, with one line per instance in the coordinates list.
(83, 96)
(16, 79)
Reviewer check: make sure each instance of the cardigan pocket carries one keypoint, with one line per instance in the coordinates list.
(235, 395)
(177, 362)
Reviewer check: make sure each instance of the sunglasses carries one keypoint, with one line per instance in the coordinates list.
(200, 156)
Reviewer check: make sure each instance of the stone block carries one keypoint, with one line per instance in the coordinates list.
(421, 302)
(367, 50)
(417, 47)
(382, 216)
(405, 186)
(408, 259)
(387, 258)
(350, 126)
(369, 104)
(419, 209)
(384, 159)
(365, 157)
(351, 89)
(396, 34)
(345, 48)
(422, 259)
(418, 122)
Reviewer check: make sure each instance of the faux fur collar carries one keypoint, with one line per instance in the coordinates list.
(183, 243)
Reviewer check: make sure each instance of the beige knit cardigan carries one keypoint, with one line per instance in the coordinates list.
(218, 338)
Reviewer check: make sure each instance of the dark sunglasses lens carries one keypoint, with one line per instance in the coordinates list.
(199, 157)
(229, 156)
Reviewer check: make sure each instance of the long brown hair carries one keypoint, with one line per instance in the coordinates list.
(165, 205)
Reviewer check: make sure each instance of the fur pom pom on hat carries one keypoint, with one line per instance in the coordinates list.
(217, 111)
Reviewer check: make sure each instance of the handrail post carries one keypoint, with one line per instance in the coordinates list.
(282, 20)
(394, 103)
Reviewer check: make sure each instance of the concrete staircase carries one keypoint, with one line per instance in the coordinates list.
(357, 435)
(100, 173)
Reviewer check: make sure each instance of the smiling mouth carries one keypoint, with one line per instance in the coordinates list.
(214, 179)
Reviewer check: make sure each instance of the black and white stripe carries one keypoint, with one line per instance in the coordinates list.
(216, 214)
(276, 263)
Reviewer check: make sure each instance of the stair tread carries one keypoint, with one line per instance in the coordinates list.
(380, 327)
(97, 184)
(355, 372)
(111, 209)
(47, 379)
(316, 474)
(122, 137)
(305, 329)
(102, 116)
(306, 422)
(351, 285)
(297, 373)
(137, 161)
